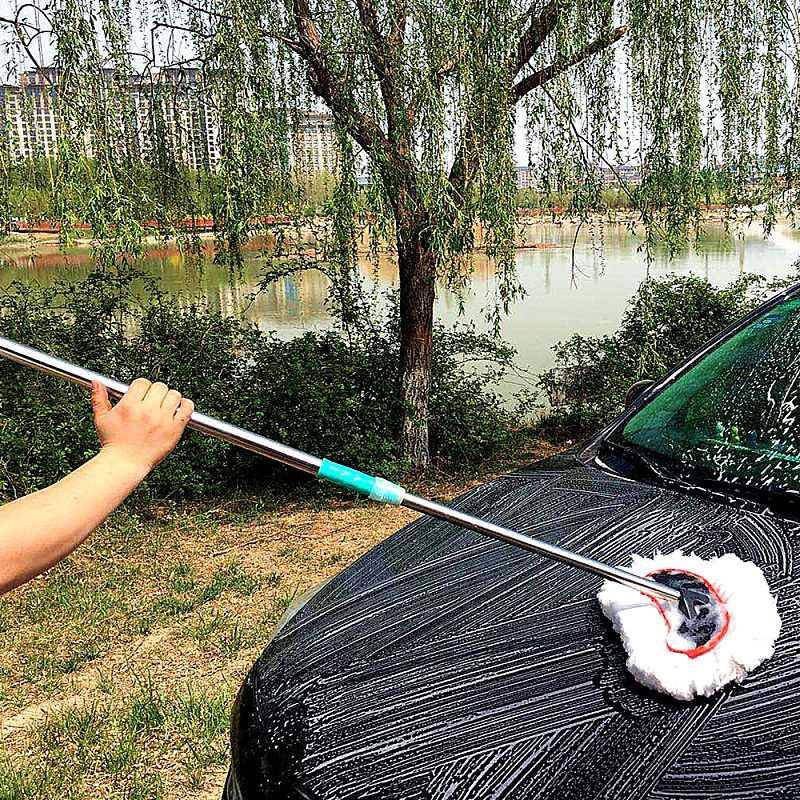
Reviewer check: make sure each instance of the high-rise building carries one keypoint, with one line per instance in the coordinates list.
(10, 122)
(172, 108)
(177, 104)
(168, 103)
(28, 114)
(315, 147)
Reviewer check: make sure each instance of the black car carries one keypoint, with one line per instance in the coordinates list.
(444, 666)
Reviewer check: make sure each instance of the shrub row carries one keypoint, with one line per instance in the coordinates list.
(664, 322)
(332, 393)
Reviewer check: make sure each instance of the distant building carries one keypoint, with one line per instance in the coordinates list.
(170, 103)
(315, 147)
(182, 100)
(170, 107)
(631, 174)
(527, 177)
(29, 116)
(10, 133)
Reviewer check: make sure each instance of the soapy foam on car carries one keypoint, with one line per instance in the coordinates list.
(730, 630)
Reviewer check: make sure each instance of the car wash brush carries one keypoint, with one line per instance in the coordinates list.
(723, 627)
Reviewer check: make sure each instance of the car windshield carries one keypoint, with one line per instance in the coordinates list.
(733, 417)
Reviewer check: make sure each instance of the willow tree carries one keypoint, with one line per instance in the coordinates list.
(429, 94)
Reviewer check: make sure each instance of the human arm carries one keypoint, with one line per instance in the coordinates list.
(38, 530)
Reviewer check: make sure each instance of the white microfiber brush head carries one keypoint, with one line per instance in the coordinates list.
(735, 632)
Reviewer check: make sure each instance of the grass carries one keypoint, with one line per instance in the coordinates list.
(80, 751)
(119, 668)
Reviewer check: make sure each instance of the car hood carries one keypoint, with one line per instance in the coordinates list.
(446, 665)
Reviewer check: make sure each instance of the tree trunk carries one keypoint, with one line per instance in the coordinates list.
(417, 292)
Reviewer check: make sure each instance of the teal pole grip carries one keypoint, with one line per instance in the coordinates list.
(378, 489)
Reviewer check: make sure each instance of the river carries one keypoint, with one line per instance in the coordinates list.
(586, 293)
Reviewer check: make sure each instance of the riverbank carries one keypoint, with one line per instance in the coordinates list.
(118, 670)
(526, 217)
(40, 246)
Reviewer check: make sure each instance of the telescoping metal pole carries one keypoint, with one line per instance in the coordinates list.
(372, 486)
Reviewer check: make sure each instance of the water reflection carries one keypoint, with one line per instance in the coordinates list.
(582, 290)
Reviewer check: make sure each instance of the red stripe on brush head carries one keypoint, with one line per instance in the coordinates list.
(715, 596)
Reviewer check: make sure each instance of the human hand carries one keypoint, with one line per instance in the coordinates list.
(144, 426)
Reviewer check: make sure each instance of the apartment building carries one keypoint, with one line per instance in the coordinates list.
(315, 148)
(168, 103)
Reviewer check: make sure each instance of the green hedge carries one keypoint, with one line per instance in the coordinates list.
(332, 393)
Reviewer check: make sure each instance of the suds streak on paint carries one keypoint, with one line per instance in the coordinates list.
(442, 665)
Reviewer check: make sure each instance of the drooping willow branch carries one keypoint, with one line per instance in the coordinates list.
(543, 76)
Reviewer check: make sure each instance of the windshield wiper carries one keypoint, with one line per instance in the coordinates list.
(640, 462)
(692, 478)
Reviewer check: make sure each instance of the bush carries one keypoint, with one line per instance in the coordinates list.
(665, 321)
(329, 393)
